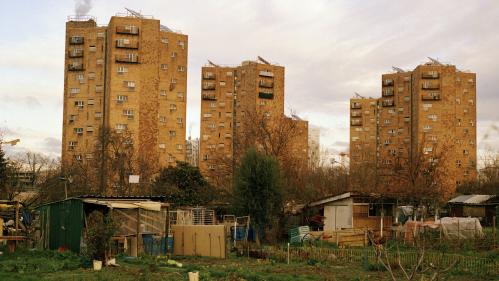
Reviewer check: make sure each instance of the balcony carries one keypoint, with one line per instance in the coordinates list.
(387, 82)
(356, 105)
(266, 73)
(75, 67)
(208, 96)
(127, 44)
(430, 96)
(127, 29)
(387, 103)
(75, 53)
(266, 84)
(209, 76)
(430, 86)
(430, 75)
(356, 122)
(208, 86)
(268, 96)
(76, 40)
(388, 92)
(128, 58)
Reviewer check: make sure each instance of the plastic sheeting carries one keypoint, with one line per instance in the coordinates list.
(462, 228)
(451, 228)
(146, 205)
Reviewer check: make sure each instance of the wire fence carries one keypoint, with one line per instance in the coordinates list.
(465, 264)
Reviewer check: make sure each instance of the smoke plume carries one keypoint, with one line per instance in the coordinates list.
(82, 7)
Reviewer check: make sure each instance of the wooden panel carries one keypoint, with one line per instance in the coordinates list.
(199, 240)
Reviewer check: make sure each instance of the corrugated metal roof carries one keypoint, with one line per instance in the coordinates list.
(471, 199)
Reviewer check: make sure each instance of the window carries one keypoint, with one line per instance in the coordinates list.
(162, 146)
(173, 107)
(162, 119)
(466, 152)
(391, 111)
(207, 115)
(387, 121)
(212, 125)
(174, 54)
(122, 69)
(72, 118)
(458, 101)
(72, 145)
(387, 142)
(79, 103)
(91, 75)
(164, 67)
(406, 98)
(213, 104)
(432, 117)
(178, 146)
(79, 131)
(130, 84)
(427, 150)
(179, 120)
(90, 129)
(171, 158)
(181, 44)
(162, 93)
(172, 133)
(180, 96)
(99, 89)
(90, 102)
(206, 137)
(222, 83)
(120, 127)
(74, 91)
(99, 61)
(180, 68)
(98, 115)
(121, 99)
(426, 128)
(229, 73)
(164, 40)
(128, 113)
(80, 76)
(458, 163)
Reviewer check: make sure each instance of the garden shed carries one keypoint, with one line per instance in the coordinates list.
(476, 206)
(63, 223)
(355, 210)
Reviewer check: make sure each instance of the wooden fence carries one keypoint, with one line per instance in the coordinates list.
(466, 264)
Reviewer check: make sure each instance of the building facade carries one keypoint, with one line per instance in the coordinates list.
(129, 77)
(192, 151)
(314, 146)
(237, 103)
(425, 118)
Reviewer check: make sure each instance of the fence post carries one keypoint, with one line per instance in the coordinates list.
(288, 253)
(458, 233)
(494, 230)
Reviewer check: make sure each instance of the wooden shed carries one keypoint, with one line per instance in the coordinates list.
(475, 205)
(356, 211)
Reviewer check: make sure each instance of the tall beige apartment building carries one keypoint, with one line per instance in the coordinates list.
(233, 100)
(128, 77)
(427, 115)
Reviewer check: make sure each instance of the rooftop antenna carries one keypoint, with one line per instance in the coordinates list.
(140, 16)
(358, 96)
(135, 13)
(398, 69)
(263, 60)
(212, 63)
(296, 117)
(434, 61)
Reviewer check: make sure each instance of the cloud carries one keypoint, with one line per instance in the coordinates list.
(330, 49)
(52, 145)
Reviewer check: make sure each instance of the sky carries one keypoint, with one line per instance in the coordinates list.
(330, 49)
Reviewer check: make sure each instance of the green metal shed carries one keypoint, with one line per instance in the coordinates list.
(61, 224)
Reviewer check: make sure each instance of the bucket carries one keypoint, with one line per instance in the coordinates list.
(97, 265)
(193, 276)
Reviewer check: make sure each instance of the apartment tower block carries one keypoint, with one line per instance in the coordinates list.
(127, 77)
(232, 99)
(424, 115)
